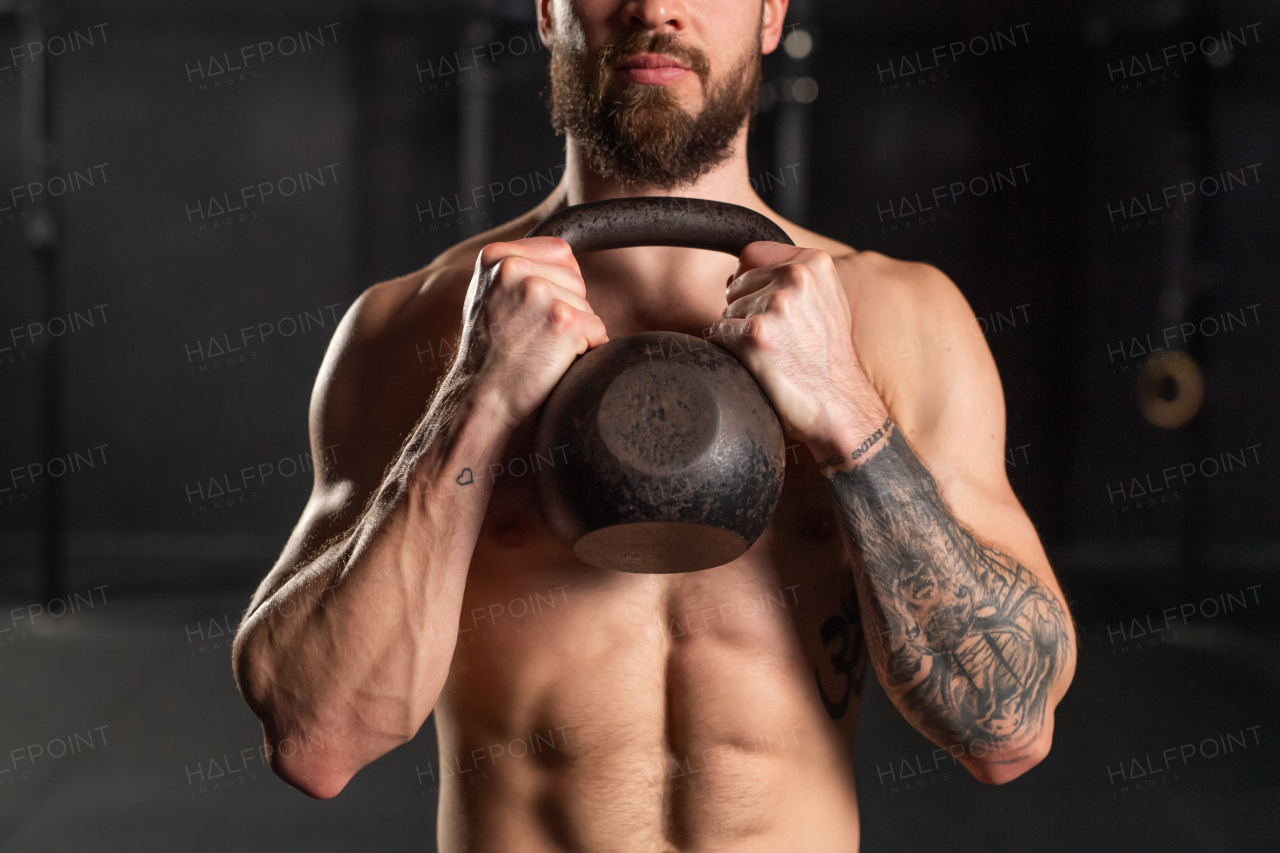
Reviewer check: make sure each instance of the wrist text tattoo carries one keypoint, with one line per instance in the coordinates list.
(862, 449)
(967, 640)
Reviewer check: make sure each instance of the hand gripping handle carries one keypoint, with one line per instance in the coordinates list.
(691, 223)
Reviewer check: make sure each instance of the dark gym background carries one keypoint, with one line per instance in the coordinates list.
(124, 287)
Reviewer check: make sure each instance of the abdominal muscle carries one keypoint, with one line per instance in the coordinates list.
(594, 711)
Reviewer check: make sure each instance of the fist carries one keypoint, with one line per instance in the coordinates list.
(788, 321)
(525, 320)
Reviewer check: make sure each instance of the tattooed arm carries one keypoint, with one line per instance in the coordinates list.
(960, 612)
(966, 640)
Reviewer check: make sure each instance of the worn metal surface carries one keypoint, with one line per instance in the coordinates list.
(692, 223)
(675, 458)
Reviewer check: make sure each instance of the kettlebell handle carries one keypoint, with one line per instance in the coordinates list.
(690, 223)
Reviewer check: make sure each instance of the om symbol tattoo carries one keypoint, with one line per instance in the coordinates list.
(842, 638)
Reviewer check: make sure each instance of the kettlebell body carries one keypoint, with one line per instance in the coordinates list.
(675, 458)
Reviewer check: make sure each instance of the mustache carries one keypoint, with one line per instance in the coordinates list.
(695, 59)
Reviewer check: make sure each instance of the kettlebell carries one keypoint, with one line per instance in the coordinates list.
(675, 458)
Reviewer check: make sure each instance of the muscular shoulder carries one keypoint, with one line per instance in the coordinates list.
(401, 306)
(917, 339)
(891, 297)
(887, 296)
(919, 343)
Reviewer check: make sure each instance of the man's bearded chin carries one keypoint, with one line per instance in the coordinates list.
(643, 137)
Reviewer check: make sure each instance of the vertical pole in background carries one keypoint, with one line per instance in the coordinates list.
(473, 127)
(42, 235)
(367, 28)
(1195, 252)
(797, 92)
(1172, 309)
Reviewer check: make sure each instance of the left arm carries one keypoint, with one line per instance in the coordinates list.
(967, 641)
(974, 646)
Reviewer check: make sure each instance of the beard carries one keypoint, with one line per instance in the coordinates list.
(643, 137)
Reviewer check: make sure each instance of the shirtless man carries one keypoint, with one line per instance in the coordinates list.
(579, 709)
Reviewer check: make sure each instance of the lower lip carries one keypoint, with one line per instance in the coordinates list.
(654, 76)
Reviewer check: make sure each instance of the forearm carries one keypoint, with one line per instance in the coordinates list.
(969, 644)
(358, 640)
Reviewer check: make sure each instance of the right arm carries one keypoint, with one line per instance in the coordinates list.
(348, 641)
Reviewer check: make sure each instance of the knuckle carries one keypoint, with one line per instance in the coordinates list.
(512, 269)
(555, 250)
(532, 290)
(493, 253)
(560, 315)
(531, 295)
(797, 276)
(781, 302)
(759, 331)
(826, 265)
(816, 256)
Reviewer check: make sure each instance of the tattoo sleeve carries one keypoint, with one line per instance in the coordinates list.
(968, 642)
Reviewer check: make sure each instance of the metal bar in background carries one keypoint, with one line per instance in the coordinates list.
(367, 26)
(42, 237)
(1065, 408)
(797, 91)
(1198, 257)
(474, 126)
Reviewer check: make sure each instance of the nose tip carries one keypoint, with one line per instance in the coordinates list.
(656, 15)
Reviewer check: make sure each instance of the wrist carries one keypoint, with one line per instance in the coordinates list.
(464, 431)
(487, 414)
(849, 440)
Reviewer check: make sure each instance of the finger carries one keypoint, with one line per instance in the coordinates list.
(545, 292)
(732, 333)
(595, 331)
(749, 305)
(512, 270)
(764, 253)
(545, 250)
(806, 266)
(750, 282)
(589, 328)
(550, 250)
